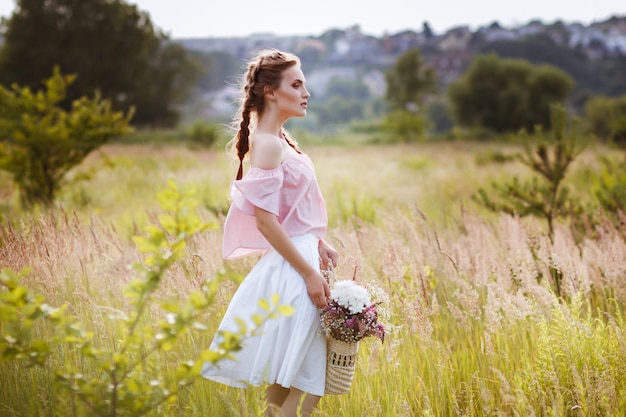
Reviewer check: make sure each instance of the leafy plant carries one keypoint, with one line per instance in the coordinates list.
(505, 95)
(549, 158)
(606, 118)
(135, 65)
(406, 126)
(124, 378)
(409, 82)
(202, 135)
(611, 191)
(40, 142)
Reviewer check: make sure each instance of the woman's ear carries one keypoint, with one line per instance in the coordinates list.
(269, 93)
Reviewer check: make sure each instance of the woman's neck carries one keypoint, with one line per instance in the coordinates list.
(271, 124)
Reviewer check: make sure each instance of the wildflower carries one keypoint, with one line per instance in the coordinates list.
(350, 315)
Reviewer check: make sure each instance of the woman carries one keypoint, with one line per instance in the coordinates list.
(277, 207)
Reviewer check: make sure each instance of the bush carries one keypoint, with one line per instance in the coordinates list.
(203, 135)
(611, 191)
(40, 142)
(506, 95)
(606, 118)
(406, 126)
(545, 195)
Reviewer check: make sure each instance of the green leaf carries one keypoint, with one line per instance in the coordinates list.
(241, 324)
(145, 245)
(171, 307)
(264, 304)
(257, 319)
(231, 342)
(210, 356)
(168, 222)
(285, 310)
(7, 313)
(10, 354)
(197, 299)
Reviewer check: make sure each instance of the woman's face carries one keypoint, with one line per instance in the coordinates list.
(292, 95)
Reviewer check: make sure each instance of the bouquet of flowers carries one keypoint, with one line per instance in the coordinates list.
(350, 315)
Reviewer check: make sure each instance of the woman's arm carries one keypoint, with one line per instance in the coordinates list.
(316, 285)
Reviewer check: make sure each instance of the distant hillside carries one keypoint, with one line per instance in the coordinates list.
(593, 55)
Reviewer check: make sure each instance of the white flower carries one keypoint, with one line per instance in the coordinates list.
(351, 296)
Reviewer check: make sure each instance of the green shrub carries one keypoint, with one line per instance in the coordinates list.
(40, 142)
(406, 126)
(544, 195)
(123, 376)
(611, 191)
(203, 135)
(606, 118)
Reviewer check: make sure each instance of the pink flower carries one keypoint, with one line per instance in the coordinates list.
(350, 319)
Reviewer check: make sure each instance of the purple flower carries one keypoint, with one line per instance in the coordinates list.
(350, 327)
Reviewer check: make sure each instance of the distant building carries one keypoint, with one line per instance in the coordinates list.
(456, 39)
(449, 65)
(352, 54)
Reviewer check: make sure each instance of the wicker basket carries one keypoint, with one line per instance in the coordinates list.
(340, 364)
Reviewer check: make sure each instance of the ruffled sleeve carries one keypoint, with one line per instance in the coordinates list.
(258, 188)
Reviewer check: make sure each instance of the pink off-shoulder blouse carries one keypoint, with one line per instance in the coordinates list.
(290, 191)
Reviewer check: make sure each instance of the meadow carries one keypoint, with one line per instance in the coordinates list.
(475, 327)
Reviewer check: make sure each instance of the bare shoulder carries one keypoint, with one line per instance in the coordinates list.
(266, 151)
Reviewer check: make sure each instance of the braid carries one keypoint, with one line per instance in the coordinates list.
(290, 141)
(243, 143)
(263, 72)
(252, 76)
(243, 135)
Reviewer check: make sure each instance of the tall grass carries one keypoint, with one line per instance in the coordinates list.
(475, 326)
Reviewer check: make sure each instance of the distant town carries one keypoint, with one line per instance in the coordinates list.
(351, 53)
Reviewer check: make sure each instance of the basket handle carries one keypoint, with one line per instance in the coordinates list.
(329, 274)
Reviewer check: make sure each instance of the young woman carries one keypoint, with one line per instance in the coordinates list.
(277, 208)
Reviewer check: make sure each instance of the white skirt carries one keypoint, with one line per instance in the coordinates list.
(290, 351)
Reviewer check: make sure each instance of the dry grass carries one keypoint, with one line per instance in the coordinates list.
(475, 326)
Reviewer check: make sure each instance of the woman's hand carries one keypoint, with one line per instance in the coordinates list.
(318, 288)
(328, 254)
(316, 285)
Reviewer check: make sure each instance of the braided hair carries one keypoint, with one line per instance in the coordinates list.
(266, 69)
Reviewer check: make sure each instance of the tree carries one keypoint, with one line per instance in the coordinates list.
(111, 46)
(605, 117)
(427, 31)
(218, 67)
(507, 95)
(596, 76)
(549, 158)
(409, 81)
(542, 49)
(337, 110)
(40, 142)
(348, 88)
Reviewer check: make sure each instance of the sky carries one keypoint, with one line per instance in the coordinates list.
(240, 18)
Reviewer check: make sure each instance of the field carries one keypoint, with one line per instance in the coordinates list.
(475, 326)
